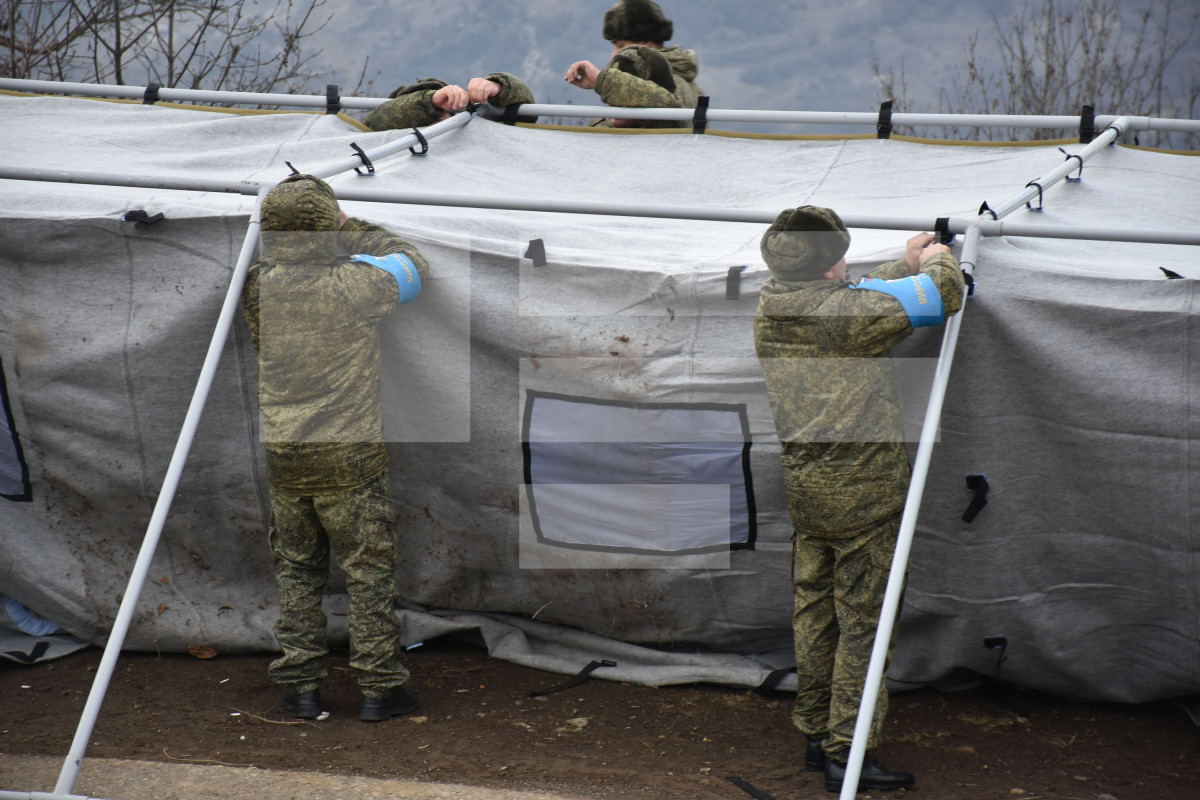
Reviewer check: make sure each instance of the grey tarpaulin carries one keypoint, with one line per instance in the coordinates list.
(1074, 390)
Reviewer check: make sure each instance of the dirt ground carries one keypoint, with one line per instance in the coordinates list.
(477, 725)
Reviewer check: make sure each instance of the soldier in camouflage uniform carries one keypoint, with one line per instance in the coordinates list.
(825, 350)
(637, 77)
(641, 22)
(313, 313)
(431, 100)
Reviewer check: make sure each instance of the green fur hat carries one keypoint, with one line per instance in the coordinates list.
(804, 243)
(646, 63)
(637, 21)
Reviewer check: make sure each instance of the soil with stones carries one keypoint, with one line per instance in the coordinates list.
(477, 724)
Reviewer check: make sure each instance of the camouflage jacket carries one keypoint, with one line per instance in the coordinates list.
(622, 90)
(314, 322)
(416, 110)
(825, 352)
(684, 66)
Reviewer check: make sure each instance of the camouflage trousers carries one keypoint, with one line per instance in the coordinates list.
(358, 526)
(838, 586)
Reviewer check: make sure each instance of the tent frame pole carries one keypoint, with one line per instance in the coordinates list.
(916, 489)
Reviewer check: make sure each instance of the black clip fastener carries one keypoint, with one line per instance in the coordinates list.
(1029, 204)
(366, 161)
(578, 679)
(424, 144)
(141, 219)
(150, 96)
(1087, 124)
(700, 118)
(333, 101)
(536, 252)
(510, 114)
(733, 282)
(293, 169)
(883, 127)
(969, 280)
(1078, 158)
(978, 484)
(986, 209)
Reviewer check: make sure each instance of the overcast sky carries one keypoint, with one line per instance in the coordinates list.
(811, 55)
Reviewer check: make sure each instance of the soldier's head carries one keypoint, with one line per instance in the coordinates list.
(299, 219)
(806, 244)
(637, 22)
(645, 63)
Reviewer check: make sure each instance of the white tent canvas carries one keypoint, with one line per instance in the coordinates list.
(531, 404)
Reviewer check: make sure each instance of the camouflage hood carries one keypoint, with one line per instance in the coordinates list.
(300, 220)
(683, 62)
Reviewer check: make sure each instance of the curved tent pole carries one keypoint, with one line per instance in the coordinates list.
(162, 506)
(912, 505)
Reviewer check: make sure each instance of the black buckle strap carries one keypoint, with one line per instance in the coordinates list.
(986, 209)
(942, 227)
(1087, 124)
(366, 161)
(733, 282)
(141, 219)
(969, 280)
(333, 101)
(150, 96)
(700, 117)
(883, 127)
(536, 252)
(579, 678)
(978, 484)
(510, 114)
(424, 144)
(1029, 204)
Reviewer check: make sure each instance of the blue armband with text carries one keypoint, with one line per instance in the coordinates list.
(401, 267)
(918, 295)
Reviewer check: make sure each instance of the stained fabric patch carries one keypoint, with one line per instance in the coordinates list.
(14, 474)
(638, 477)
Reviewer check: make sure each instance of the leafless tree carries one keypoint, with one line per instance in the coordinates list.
(187, 44)
(1059, 56)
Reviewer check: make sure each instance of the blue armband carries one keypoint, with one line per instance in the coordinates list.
(918, 295)
(401, 267)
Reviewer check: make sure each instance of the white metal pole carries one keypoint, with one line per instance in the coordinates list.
(916, 489)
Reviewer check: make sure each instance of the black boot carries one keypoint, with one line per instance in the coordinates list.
(814, 756)
(873, 776)
(398, 701)
(305, 705)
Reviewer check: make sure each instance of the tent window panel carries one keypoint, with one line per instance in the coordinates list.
(14, 474)
(669, 478)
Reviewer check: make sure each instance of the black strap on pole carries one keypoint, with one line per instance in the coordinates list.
(1078, 158)
(883, 127)
(733, 282)
(700, 118)
(578, 679)
(986, 209)
(942, 227)
(293, 169)
(1087, 124)
(976, 483)
(333, 100)
(424, 144)
(366, 161)
(150, 96)
(510, 114)
(1029, 204)
(969, 280)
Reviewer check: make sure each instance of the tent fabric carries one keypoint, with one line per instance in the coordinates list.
(1074, 390)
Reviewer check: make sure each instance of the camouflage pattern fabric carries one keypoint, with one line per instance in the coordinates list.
(358, 525)
(625, 90)
(684, 66)
(825, 352)
(838, 587)
(415, 109)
